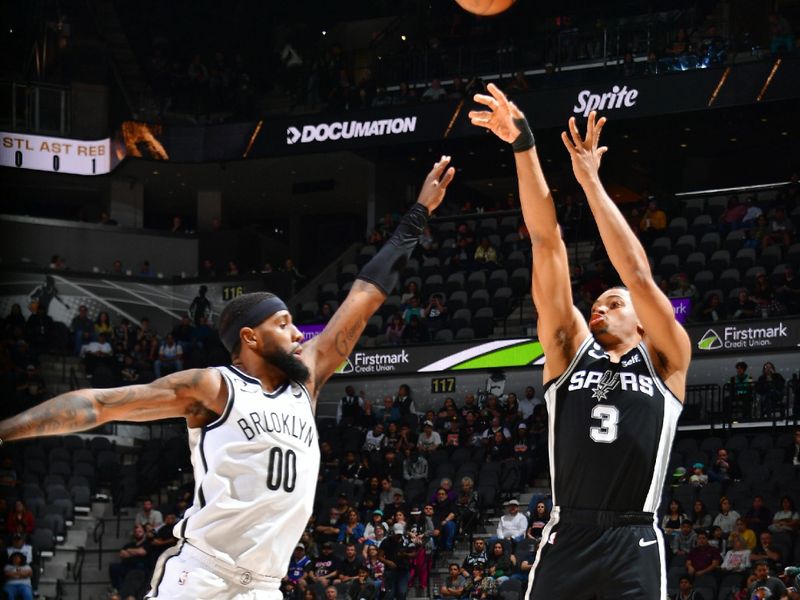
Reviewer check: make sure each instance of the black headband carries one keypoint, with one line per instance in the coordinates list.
(256, 315)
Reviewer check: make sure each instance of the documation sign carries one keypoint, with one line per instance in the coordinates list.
(616, 98)
(346, 130)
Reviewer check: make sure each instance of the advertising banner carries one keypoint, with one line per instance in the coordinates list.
(553, 102)
(682, 307)
(750, 336)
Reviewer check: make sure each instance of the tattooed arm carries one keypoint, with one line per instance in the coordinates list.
(332, 347)
(196, 394)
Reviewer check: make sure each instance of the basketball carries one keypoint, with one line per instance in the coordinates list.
(485, 8)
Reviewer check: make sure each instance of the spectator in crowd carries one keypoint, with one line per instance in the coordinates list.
(295, 276)
(743, 306)
(767, 553)
(703, 558)
(18, 578)
(18, 544)
(351, 531)
(396, 553)
(781, 230)
(540, 516)
(512, 526)
(170, 357)
(486, 255)
(741, 385)
(726, 519)
(744, 533)
(420, 535)
(468, 507)
(350, 407)
(200, 308)
(686, 590)
(395, 329)
(787, 291)
(435, 92)
(653, 222)
(479, 586)
(501, 564)
(350, 565)
(698, 478)
(454, 584)
(147, 338)
(415, 466)
(737, 559)
(786, 519)
(793, 451)
(758, 517)
(163, 537)
(296, 573)
(700, 517)
(712, 309)
(362, 586)
(149, 515)
(435, 313)
(429, 440)
(733, 214)
(444, 520)
(673, 518)
(31, 389)
(20, 519)
(685, 540)
(477, 555)
(325, 568)
(764, 297)
(718, 539)
(769, 390)
(773, 585)
(134, 557)
(415, 331)
(81, 327)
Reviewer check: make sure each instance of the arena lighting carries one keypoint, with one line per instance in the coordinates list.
(774, 70)
(254, 135)
(453, 118)
(722, 81)
(733, 189)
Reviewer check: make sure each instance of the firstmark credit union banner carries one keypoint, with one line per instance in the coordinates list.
(440, 358)
(750, 336)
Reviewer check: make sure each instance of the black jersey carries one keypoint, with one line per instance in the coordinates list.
(611, 430)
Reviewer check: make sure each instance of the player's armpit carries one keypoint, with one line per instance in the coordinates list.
(327, 351)
(192, 394)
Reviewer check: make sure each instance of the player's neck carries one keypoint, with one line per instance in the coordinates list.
(270, 377)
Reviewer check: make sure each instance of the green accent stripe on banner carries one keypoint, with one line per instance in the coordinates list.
(515, 356)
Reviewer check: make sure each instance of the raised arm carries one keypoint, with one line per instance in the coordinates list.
(196, 394)
(666, 339)
(561, 328)
(324, 353)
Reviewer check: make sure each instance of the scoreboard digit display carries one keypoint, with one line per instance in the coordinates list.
(56, 155)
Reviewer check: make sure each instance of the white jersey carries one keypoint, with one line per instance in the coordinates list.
(255, 472)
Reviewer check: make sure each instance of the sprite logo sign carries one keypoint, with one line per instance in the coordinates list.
(710, 341)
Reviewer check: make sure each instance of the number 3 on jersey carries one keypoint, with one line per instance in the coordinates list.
(609, 418)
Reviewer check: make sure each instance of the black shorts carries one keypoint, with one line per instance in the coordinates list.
(605, 559)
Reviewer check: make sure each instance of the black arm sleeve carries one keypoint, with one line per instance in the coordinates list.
(384, 269)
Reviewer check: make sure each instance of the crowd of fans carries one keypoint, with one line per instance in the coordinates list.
(313, 72)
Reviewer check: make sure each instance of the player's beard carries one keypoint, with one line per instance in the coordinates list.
(294, 368)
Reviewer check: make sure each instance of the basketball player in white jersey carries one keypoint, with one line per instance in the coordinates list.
(614, 386)
(251, 427)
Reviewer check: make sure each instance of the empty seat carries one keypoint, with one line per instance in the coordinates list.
(677, 227)
(520, 281)
(497, 280)
(457, 301)
(669, 265)
(430, 265)
(660, 247)
(720, 260)
(701, 225)
(703, 281)
(443, 335)
(501, 302)
(479, 299)
(770, 257)
(685, 245)
(455, 282)
(347, 274)
(709, 243)
(695, 262)
(483, 322)
(729, 279)
(434, 284)
(460, 319)
(374, 326)
(745, 258)
(516, 260)
(43, 541)
(365, 255)
(692, 208)
(476, 281)
(465, 333)
(734, 241)
(716, 206)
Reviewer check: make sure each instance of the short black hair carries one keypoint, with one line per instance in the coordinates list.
(235, 309)
(741, 364)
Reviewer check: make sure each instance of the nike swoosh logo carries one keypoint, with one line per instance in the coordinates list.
(643, 544)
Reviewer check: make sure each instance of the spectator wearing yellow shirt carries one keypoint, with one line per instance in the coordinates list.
(742, 532)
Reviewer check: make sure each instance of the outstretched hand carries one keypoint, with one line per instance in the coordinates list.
(500, 118)
(585, 154)
(435, 184)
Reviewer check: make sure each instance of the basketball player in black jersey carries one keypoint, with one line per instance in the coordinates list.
(614, 386)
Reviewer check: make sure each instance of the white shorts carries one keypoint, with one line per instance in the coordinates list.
(185, 573)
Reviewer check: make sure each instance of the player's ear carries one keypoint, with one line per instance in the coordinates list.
(248, 336)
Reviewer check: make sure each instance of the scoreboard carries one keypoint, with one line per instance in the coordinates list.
(57, 155)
